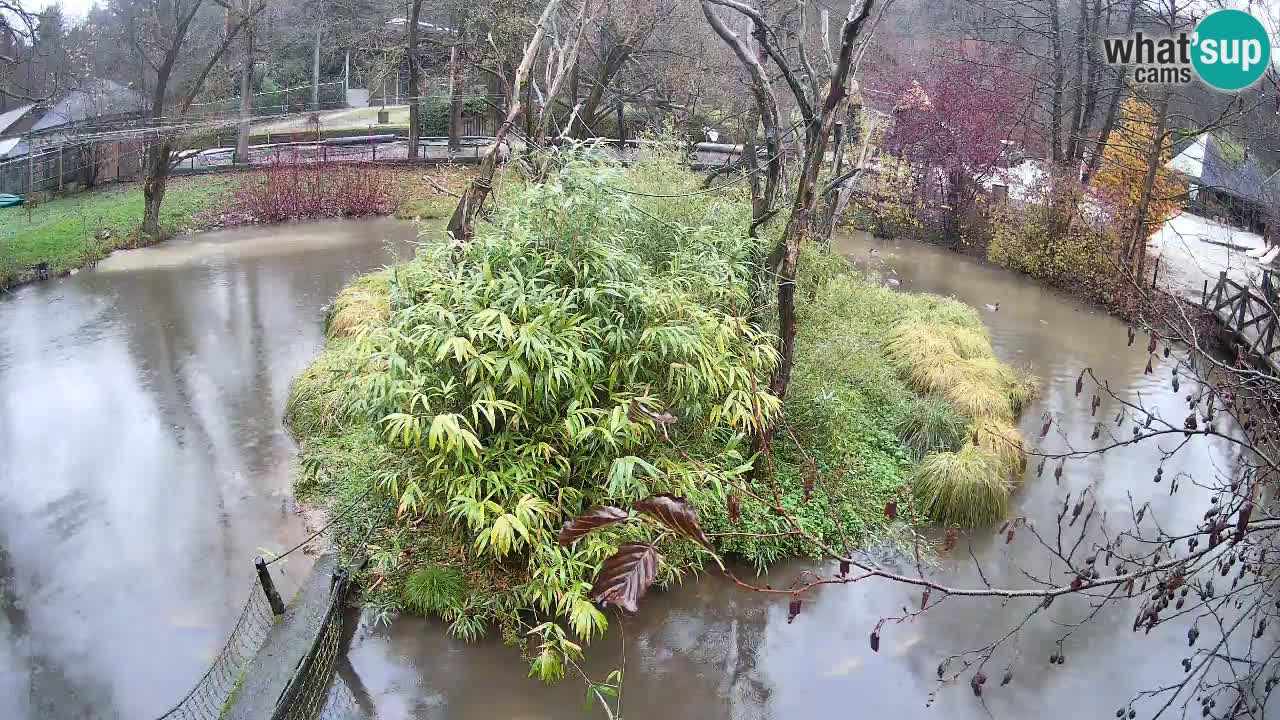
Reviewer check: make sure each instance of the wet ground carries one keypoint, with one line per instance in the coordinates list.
(143, 463)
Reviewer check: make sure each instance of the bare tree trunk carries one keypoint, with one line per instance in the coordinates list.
(573, 102)
(1077, 105)
(1113, 109)
(415, 79)
(315, 61)
(802, 211)
(153, 189)
(157, 160)
(455, 99)
(462, 222)
(1138, 241)
(1059, 81)
(767, 105)
(246, 96)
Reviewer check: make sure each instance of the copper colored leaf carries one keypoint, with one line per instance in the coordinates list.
(891, 509)
(593, 519)
(1008, 536)
(626, 576)
(677, 514)
(1080, 384)
(953, 536)
(793, 610)
(735, 508)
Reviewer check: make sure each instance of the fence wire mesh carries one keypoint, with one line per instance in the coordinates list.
(211, 695)
(313, 693)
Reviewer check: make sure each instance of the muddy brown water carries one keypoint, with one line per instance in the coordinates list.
(143, 464)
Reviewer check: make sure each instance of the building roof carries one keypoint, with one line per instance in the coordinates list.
(95, 98)
(1228, 167)
(13, 116)
(12, 147)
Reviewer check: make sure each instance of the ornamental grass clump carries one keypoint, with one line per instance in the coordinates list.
(944, 352)
(962, 488)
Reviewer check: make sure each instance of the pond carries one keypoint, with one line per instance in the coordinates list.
(144, 464)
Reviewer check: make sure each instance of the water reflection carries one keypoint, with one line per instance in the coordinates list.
(708, 650)
(142, 458)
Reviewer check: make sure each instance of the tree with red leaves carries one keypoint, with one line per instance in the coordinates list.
(952, 122)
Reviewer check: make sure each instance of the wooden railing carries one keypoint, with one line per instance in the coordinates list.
(1248, 312)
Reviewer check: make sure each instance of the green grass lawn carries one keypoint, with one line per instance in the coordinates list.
(71, 231)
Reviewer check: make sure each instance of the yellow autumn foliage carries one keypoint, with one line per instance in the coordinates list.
(1123, 171)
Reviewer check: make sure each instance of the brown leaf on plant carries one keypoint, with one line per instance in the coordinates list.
(626, 576)
(891, 509)
(735, 508)
(593, 519)
(953, 536)
(677, 514)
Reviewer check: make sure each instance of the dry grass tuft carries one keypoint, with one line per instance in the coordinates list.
(962, 488)
(363, 305)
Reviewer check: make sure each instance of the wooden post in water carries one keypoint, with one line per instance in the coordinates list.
(268, 586)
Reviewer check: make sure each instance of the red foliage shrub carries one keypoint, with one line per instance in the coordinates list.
(296, 191)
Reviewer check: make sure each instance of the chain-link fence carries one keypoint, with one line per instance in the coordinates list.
(308, 693)
(210, 697)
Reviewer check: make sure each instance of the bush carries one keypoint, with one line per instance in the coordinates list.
(518, 379)
(887, 208)
(296, 191)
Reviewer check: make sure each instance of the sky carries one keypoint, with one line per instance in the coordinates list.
(72, 9)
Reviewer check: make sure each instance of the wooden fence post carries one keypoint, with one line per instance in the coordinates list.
(268, 586)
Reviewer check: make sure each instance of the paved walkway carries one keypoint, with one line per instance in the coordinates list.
(1194, 250)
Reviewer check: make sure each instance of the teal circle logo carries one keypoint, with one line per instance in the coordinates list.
(1232, 50)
